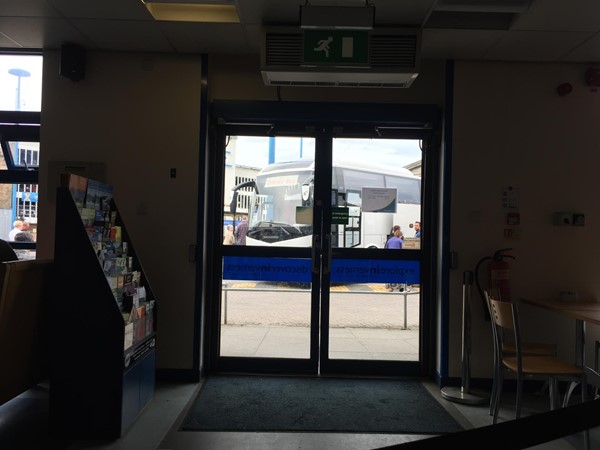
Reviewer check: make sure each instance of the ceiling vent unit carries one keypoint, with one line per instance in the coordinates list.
(378, 58)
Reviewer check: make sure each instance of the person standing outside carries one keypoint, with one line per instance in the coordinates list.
(240, 231)
(391, 235)
(17, 224)
(417, 229)
(228, 239)
(395, 241)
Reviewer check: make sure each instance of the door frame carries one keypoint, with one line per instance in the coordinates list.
(358, 120)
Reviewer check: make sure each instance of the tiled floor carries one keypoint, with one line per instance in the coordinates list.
(23, 426)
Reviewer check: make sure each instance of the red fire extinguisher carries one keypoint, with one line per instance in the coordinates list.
(499, 273)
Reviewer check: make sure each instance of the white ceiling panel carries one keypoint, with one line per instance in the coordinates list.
(393, 12)
(207, 38)
(8, 42)
(535, 45)
(259, 12)
(560, 15)
(551, 30)
(102, 9)
(125, 35)
(253, 36)
(458, 44)
(27, 8)
(588, 51)
(30, 32)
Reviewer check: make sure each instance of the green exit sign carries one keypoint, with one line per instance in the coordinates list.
(336, 47)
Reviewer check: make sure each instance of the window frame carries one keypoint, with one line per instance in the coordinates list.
(19, 126)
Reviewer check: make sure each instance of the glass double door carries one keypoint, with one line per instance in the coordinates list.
(313, 278)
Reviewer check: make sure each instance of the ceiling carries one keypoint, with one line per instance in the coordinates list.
(547, 31)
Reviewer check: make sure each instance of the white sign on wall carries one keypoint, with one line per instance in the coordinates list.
(379, 200)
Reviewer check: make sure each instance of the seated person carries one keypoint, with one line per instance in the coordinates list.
(6, 252)
(24, 236)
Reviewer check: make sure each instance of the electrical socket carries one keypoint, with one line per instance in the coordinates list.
(579, 219)
(563, 218)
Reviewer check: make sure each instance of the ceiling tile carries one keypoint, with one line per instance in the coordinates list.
(589, 51)
(469, 20)
(102, 9)
(409, 13)
(560, 15)
(40, 33)
(206, 37)
(458, 44)
(27, 8)
(124, 35)
(269, 12)
(535, 45)
(551, 30)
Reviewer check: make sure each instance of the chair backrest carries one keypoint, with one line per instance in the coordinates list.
(490, 294)
(503, 313)
(506, 318)
(25, 295)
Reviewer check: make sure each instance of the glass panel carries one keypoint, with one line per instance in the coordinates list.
(18, 216)
(25, 154)
(26, 204)
(20, 90)
(266, 302)
(375, 304)
(268, 191)
(368, 323)
(266, 307)
(390, 176)
(20, 82)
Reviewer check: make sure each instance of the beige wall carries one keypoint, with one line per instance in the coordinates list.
(139, 114)
(511, 128)
(238, 78)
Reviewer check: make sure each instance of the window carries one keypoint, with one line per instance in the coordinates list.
(20, 108)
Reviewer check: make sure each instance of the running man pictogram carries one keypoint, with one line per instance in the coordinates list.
(324, 46)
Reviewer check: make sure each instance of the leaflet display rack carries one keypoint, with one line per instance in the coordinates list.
(103, 347)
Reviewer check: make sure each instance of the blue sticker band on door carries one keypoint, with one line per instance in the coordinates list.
(299, 270)
(267, 269)
(374, 271)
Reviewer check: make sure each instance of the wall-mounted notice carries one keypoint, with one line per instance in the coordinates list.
(510, 198)
(339, 215)
(379, 200)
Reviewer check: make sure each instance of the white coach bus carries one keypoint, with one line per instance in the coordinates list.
(282, 187)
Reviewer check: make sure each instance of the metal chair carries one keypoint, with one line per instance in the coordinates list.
(508, 348)
(591, 381)
(505, 319)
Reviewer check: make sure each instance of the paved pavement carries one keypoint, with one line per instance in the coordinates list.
(366, 322)
(359, 306)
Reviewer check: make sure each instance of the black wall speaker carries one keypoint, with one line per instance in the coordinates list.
(72, 62)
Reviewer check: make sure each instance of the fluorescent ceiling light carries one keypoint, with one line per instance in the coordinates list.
(193, 11)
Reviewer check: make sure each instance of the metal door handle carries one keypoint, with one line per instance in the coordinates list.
(327, 248)
(315, 252)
